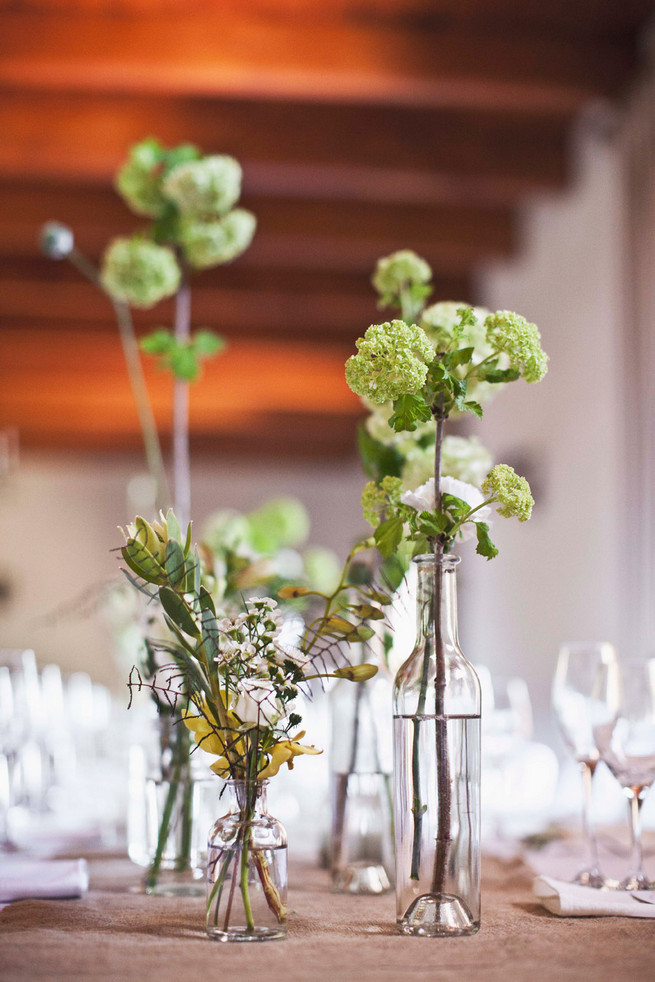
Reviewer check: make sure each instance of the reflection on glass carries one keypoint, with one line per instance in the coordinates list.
(575, 696)
(625, 737)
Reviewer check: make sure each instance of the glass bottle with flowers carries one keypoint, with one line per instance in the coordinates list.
(418, 375)
(240, 683)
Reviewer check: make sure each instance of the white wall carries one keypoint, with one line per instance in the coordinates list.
(58, 525)
(557, 577)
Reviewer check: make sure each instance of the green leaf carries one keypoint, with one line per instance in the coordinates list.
(187, 544)
(488, 373)
(461, 356)
(388, 535)
(175, 562)
(408, 411)
(485, 546)
(209, 634)
(473, 407)
(432, 523)
(337, 625)
(205, 600)
(378, 597)
(160, 342)
(367, 612)
(206, 343)
(362, 633)
(177, 610)
(183, 363)
(173, 526)
(142, 562)
(378, 460)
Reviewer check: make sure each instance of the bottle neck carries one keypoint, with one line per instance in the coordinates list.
(248, 797)
(436, 594)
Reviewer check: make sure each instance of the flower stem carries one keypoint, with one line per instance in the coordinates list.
(181, 464)
(130, 347)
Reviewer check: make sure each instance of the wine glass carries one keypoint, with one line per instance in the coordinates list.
(624, 731)
(575, 686)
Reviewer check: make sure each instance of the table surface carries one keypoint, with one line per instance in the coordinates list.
(118, 934)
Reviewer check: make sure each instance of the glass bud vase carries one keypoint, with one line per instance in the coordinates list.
(361, 840)
(247, 869)
(437, 768)
(172, 801)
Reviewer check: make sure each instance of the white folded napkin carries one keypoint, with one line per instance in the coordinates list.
(573, 900)
(42, 879)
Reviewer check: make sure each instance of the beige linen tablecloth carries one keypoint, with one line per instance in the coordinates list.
(115, 935)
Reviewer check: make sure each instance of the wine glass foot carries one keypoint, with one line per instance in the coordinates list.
(636, 881)
(590, 878)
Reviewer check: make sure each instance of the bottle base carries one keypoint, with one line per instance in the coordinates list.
(171, 883)
(363, 878)
(242, 934)
(438, 915)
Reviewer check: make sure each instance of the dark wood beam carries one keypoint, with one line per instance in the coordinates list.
(300, 396)
(253, 50)
(77, 137)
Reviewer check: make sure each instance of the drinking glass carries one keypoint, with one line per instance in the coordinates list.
(624, 732)
(576, 686)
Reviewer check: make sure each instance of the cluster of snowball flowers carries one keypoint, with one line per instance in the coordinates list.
(191, 199)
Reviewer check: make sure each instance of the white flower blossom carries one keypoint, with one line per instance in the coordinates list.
(257, 702)
(423, 499)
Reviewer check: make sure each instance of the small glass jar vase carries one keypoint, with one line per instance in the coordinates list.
(247, 869)
(361, 840)
(172, 801)
(437, 768)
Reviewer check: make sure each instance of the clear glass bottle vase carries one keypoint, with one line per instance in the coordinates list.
(437, 768)
(247, 869)
(361, 839)
(172, 802)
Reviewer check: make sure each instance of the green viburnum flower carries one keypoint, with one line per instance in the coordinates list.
(511, 491)
(139, 271)
(392, 361)
(206, 188)
(521, 341)
(376, 498)
(399, 270)
(139, 180)
(213, 243)
(442, 324)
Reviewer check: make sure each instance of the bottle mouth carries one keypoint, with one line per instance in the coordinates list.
(448, 560)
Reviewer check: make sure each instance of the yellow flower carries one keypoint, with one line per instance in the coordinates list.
(209, 735)
(283, 753)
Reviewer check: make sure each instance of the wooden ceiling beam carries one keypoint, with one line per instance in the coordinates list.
(76, 137)
(36, 272)
(246, 50)
(301, 401)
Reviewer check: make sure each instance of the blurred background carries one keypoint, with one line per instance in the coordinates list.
(510, 143)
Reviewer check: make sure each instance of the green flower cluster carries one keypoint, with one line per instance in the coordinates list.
(377, 497)
(139, 181)
(520, 340)
(139, 271)
(211, 243)
(512, 492)
(392, 360)
(398, 271)
(205, 188)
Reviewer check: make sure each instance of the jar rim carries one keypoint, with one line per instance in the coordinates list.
(447, 559)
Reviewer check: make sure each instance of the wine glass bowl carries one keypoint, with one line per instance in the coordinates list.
(577, 688)
(624, 733)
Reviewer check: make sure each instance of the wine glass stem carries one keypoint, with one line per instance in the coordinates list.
(589, 833)
(634, 803)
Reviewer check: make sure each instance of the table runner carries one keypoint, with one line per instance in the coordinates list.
(115, 935)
